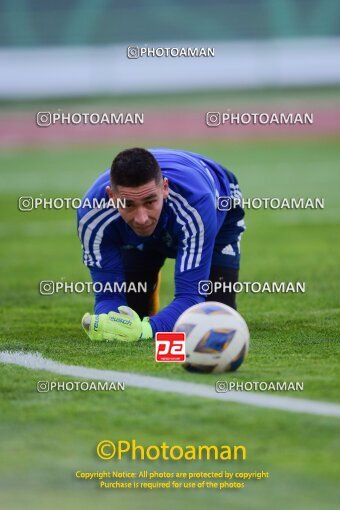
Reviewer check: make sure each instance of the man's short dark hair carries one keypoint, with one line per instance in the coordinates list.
(134, 167)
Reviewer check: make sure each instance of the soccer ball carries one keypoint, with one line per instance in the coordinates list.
(217, 338)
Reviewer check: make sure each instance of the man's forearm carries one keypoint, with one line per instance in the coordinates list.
(108, 301)
(166, 318)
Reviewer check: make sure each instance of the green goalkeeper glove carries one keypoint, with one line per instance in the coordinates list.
(125, 326)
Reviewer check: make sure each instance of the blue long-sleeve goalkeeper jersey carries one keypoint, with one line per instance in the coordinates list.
(186, 231)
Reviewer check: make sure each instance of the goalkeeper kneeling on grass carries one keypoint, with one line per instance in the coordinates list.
(175, 206)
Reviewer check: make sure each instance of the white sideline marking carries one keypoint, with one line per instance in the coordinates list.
(37, 362)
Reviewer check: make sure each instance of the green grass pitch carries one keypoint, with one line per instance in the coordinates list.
(46, 437)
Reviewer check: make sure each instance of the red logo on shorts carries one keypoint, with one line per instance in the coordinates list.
(170, 347)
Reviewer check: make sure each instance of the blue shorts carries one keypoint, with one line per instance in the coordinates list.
(227, 243)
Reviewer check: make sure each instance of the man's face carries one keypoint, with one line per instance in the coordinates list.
(143, 205)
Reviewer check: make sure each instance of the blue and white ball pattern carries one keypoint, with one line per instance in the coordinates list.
(217, 338)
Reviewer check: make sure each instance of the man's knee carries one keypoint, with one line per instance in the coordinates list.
(145, 303)
(224, 275)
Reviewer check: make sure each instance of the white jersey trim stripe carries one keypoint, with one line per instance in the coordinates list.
(86, 218)
(87, 258)
(200, 223)
(89, 229)
(190, 223)
(98, 239)
(186, 235)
